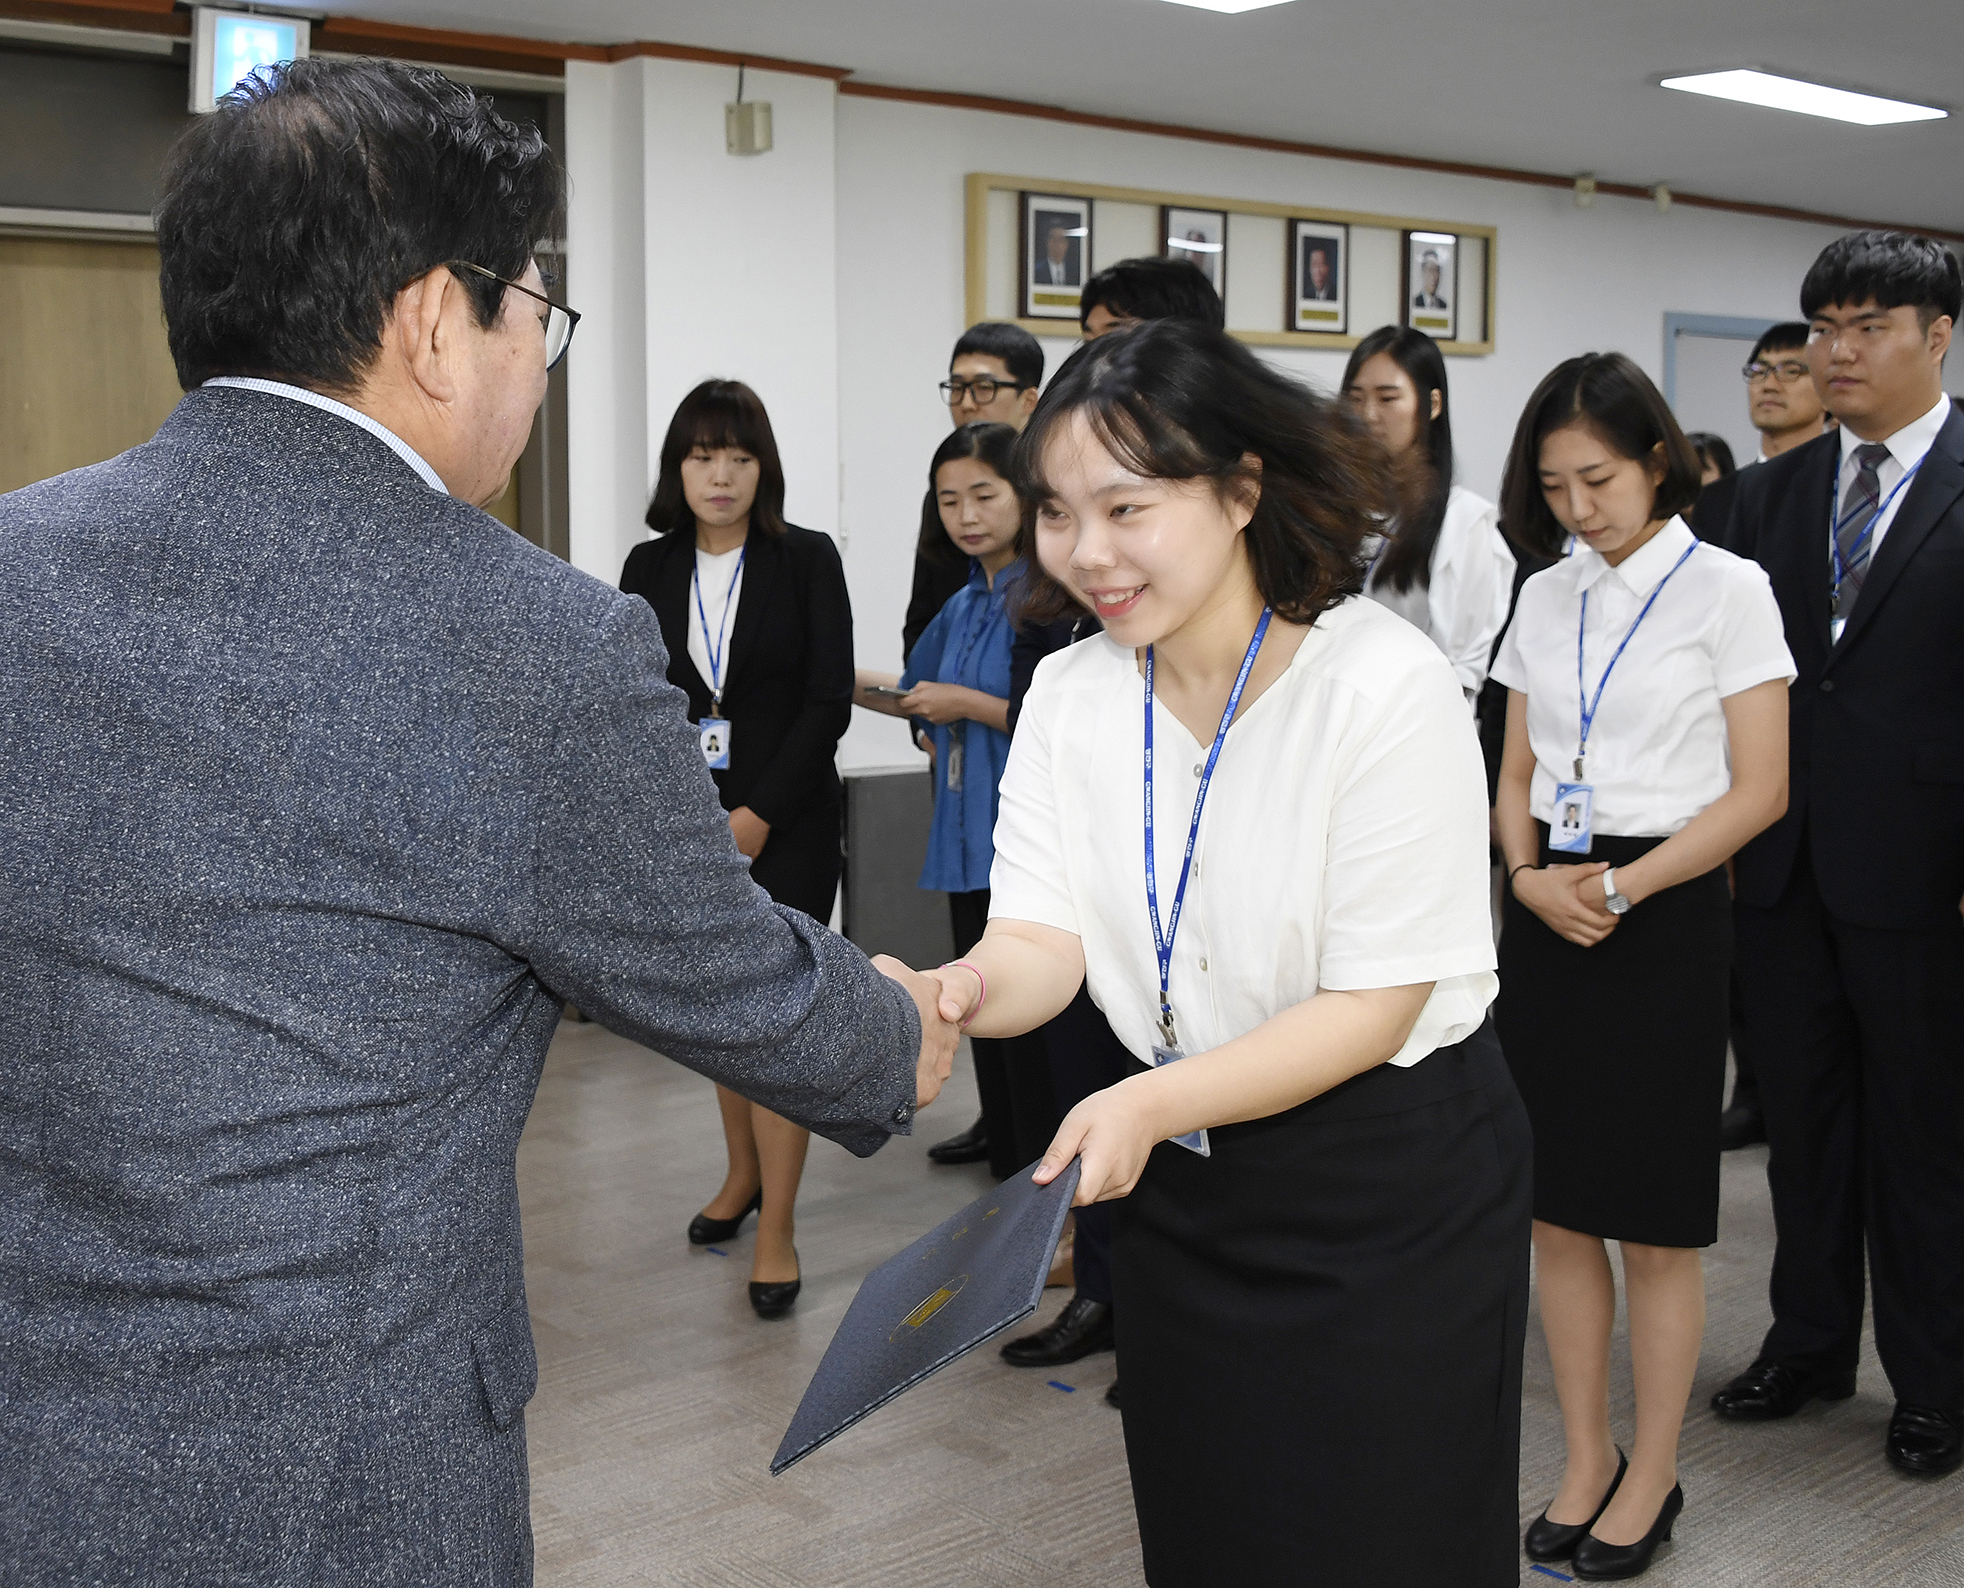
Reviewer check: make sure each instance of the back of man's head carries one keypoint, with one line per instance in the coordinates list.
(1782, 338)
(294, 214)
(1892, 270)
(1020, 352)
(1153, 289)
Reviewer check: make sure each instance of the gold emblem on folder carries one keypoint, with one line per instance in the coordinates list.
(930, 1306)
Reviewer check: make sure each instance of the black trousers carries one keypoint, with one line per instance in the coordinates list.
(1012, 1074)
(1086, 1057)
(1859, 1037)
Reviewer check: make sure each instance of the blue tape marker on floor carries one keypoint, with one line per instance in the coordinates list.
(1547, 1571)
(1068, 1389)
(717, 1250)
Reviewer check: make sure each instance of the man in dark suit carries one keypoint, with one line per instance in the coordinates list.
(1850, 942)
(321, 793)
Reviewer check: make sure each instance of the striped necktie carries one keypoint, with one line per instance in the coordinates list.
(1854, 536)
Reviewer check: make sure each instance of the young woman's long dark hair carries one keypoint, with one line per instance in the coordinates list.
(1407, 558)
(1176, 400)
(719, 413)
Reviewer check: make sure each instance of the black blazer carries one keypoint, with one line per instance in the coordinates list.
(1877, 725)
(1711, 516)
(787, 688)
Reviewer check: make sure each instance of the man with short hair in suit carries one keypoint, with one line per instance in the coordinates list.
(321, 793)
(1850, 940)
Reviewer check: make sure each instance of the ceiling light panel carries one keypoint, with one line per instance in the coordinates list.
(1228, 5)
(1809, 99)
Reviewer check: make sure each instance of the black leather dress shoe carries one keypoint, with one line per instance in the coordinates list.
(1741, 1125)
(774, 1300)
(1770, 1390)
(1925, 1440)
(1111, 1395)
(1548, 1540)
(1082, 1327)
(971, 1146)
(1596, 1561)
(705, 1231)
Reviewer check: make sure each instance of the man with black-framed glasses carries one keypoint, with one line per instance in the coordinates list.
(1786, 409)
(321, 793)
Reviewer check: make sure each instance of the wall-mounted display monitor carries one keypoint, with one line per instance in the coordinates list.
(229, 46)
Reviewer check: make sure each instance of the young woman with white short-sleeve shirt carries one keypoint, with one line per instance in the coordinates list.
(1647, 674)
(1323, 1316)
(1444, 567)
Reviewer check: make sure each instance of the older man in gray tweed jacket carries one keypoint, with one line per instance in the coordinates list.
(319, 793)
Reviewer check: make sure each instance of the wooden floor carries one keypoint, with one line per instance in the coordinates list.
(662, 1397)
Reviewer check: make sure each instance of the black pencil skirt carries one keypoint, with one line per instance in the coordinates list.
(1320, 1331)
(1619, 1053)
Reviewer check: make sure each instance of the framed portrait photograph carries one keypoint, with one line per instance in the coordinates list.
(1200, 238)
(1430, 292)
(1319, 277)
(1056, 254)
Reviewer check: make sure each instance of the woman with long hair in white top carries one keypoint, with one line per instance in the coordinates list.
(1251, 816)
(1442, 563)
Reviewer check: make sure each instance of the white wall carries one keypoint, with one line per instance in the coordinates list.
(701, 263)
(1570, 281)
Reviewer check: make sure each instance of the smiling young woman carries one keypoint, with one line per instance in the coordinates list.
(1324, 1313)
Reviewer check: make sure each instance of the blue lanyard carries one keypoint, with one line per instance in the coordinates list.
(1582, 688)
(1836, 525)
(1163, 941)
(715, 646)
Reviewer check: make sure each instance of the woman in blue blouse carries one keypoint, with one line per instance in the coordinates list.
(957, 688)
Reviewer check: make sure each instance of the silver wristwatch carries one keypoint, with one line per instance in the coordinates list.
(1613, 901)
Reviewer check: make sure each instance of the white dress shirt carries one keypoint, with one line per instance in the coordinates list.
(1461, 611)
(1343, 844)
(714, 576)
(354, 416)
(1907, 448)
(1657, 752)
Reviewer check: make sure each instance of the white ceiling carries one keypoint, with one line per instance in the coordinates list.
(1546, 85)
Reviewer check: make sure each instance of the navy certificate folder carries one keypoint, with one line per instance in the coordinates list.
(968, 1278)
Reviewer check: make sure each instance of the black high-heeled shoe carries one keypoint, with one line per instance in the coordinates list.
(1600, 1562)
(1548, 1540)
(705, 1231)
(774, 1299)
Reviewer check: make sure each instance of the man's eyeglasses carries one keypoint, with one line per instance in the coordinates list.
(982, 389)
(560, 320)
(1786, 372)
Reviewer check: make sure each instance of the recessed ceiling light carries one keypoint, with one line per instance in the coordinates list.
(1810, 99)
(1228, 5)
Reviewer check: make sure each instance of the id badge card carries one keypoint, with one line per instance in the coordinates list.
(955, 762)
(1569, 832)
(1193, 1140)
(716, 742)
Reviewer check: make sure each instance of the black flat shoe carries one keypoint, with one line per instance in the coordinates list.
(971, 1146)
(1082, 1327)
(1767, 1391)
(1925, 1440)
(774, 1300)
(705, 1231)
(1111, 1395)
(1596, 1561)
(1548, 1540)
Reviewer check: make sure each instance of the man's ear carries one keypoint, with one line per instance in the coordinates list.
(422, 331)
(1028, 399)
(1937, 339)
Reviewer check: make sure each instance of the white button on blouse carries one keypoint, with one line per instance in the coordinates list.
(1657, 747)
(1344, 843)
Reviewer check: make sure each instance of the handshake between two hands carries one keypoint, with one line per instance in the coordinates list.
(946, 999)
(1112, 1132)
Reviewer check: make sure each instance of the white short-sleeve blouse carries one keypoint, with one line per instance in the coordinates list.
(1464, 606)
(1658, 752)
(1344, 842)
